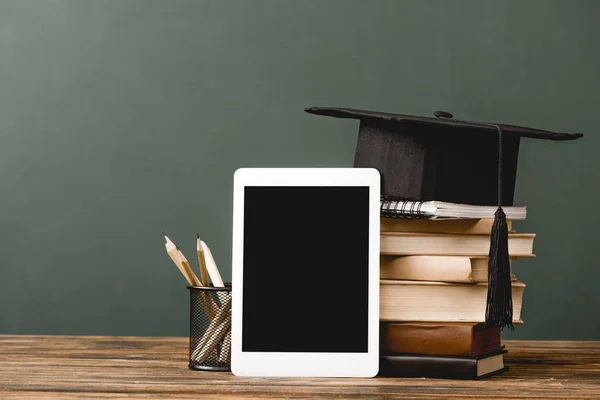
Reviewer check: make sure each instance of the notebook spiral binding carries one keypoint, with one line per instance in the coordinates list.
(400, 208)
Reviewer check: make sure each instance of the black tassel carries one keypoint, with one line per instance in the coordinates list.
(499, 310)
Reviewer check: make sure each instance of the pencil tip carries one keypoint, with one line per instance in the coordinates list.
(197, 236)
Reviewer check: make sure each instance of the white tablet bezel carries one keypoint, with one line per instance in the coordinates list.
(305, 364)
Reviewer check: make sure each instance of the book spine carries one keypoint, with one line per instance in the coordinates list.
(407, 366)
(403, 209)
(466, 340)
(426, 339)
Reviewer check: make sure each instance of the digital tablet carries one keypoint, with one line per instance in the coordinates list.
(305, 272)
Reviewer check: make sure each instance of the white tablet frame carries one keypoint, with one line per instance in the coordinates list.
(305, 364)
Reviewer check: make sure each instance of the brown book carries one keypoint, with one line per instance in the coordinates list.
(415, 301)
(468, 340)
(457, 226)
(443, 244)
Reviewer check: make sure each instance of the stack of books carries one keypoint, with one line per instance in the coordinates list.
(434, 275)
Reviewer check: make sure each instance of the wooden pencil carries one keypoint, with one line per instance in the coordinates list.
(186, 270)
(217, 330)
(178, 258)
(202, 262)
(225, 353)
(211, 266)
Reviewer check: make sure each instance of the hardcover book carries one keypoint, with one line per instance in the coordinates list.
(412, 301)
(457, 226)
(453, 339)
(447, 367)
(404, 243)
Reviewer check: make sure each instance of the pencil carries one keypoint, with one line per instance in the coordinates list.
(225, 353)
(215, 332)
(169, 241)
(173, 253)
(202, 261)
(211, 266)
(186, 270)
(181, 262)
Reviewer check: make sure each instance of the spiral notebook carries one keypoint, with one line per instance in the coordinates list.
(440, 209)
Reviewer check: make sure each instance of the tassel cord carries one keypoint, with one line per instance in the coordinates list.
(499, 309)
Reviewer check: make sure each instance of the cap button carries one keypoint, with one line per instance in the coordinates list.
(442, 114)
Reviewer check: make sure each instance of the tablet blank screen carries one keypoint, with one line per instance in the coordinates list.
(305, 269)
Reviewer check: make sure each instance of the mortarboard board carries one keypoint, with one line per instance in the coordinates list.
(445, 159)
(423, 158)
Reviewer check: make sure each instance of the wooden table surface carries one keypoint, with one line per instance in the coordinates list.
(75, 367)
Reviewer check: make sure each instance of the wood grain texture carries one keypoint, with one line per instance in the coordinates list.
(71, 367)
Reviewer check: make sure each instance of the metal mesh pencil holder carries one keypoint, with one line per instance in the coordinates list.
(210, 328)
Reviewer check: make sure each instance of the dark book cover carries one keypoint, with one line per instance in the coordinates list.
(445, 367)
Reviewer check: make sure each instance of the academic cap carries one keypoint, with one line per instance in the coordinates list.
(438, 158)
(445, 159)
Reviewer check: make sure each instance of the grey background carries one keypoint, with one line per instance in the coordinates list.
(119, 119)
